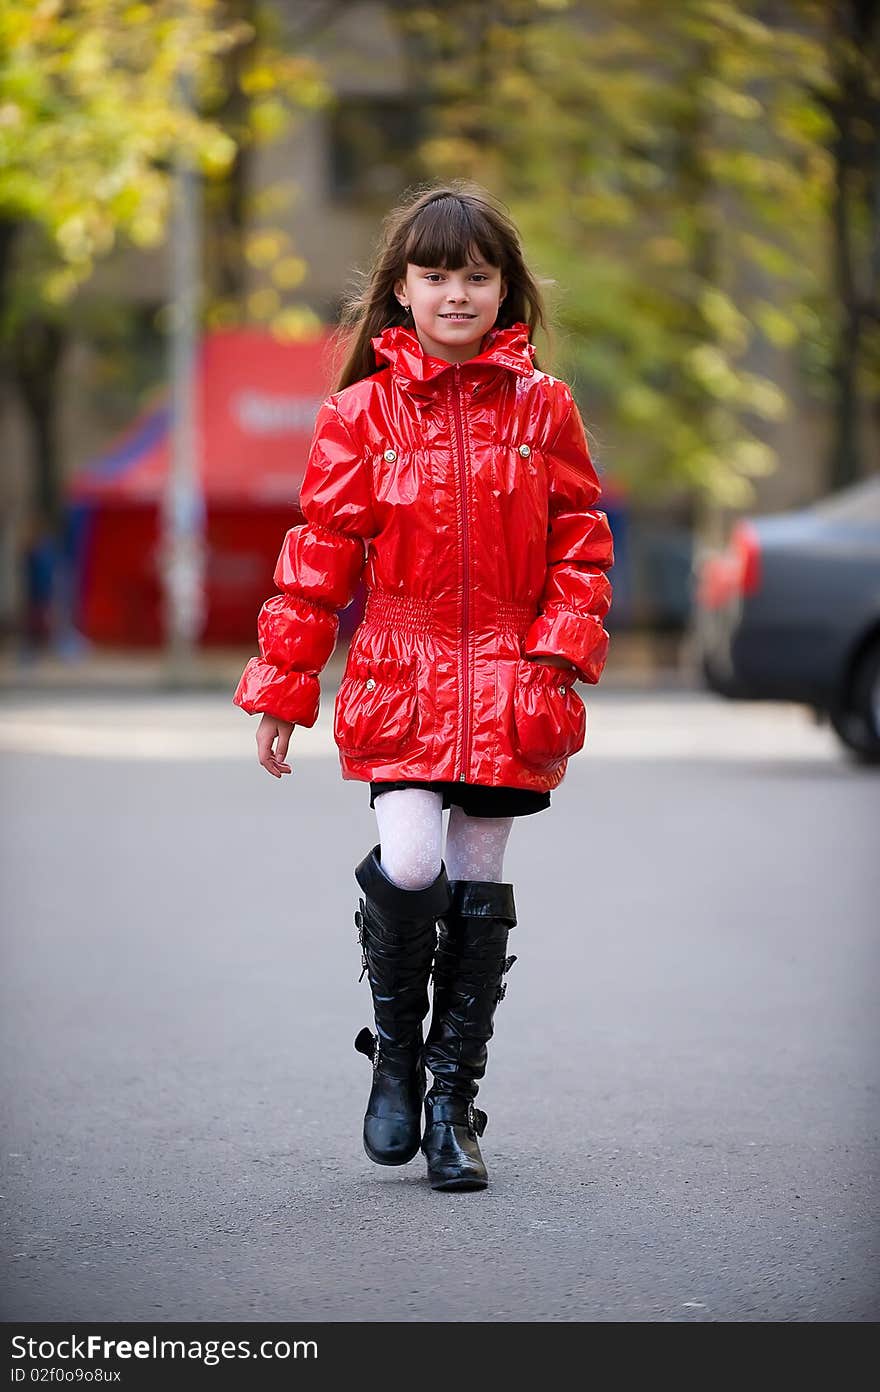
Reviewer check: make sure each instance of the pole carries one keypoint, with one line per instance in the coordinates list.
(182, 551)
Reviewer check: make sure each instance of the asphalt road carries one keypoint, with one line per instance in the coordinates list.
(682, 1090)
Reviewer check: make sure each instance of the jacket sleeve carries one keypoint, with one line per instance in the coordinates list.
(577, 592)
(317, 573)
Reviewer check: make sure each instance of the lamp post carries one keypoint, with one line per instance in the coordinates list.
(182, 547)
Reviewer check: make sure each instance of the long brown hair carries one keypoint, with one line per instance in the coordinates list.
(439, 226)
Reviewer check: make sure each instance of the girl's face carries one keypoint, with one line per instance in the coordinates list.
(452, 310)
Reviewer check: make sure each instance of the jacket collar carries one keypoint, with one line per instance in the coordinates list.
(501, 348)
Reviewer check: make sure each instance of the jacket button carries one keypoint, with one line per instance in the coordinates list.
(370, 683)
(525, 451)
(563, 689)
(390, 456)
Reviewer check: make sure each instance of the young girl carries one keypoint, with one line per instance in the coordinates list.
(455, 476)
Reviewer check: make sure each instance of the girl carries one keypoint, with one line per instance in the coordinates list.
(455, 476)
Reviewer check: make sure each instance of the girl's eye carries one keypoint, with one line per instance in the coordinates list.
(436, 275)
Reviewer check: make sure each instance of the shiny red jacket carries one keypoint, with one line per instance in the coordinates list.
(464, 494)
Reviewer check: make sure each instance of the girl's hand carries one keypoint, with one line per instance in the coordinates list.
(271, 729)
(554, 661)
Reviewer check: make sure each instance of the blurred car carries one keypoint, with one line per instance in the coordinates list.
(790, 611)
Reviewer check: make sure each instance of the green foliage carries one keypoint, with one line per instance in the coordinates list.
(93, 117)
(667, 165)
(90, 118)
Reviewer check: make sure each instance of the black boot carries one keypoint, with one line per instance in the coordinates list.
(468, 968)
(397, 930)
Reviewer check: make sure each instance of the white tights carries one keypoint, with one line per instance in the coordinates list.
(411, 837)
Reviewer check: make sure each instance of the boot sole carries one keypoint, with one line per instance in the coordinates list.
(458, 1185)
(383, 1159)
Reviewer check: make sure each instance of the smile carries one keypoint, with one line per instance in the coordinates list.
(458, 316)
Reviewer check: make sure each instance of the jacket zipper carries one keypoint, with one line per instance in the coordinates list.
(465, 618)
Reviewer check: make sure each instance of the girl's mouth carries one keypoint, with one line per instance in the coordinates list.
(458, 316)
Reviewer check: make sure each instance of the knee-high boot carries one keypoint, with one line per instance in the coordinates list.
(397, 930)
(468, 969)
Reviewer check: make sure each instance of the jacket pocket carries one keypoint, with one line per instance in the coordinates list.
(549, 717)
(376, 706)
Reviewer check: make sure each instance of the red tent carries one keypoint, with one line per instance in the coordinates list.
(257, 402)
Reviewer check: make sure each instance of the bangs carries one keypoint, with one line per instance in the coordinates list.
(449, 233)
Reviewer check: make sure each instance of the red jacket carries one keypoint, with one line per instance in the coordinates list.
(464, 494)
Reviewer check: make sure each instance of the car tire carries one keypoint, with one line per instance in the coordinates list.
(857, 722)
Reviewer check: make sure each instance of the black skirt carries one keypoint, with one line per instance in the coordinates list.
(475, 799)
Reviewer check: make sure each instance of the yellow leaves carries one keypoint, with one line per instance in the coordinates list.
(776, 326)
(721, 315)
(726, 487)
(291, 76)
(773, 259)
(262, 304)
(268, 118)
(731, 101)
(295, 323)
(61, 285)
(712, 472)
(259, 79)
(607, 207)
(147, 226)
(753, 457)
(74, 237)
(93, 121)
(709, 368)
(665, 164)
(289, 272)
(640, 404)
(262, 248)
(451, 155)
(215, 151)
(762, 397)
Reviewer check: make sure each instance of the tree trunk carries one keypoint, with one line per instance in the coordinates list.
(37, 353)
(856, 149)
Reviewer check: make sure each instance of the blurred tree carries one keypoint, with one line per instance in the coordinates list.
(854, 106)
(252, 268)
(667, 165)
(90, 117)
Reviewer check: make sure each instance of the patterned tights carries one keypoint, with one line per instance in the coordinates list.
(411, 837)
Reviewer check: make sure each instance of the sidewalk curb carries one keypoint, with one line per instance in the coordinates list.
(139, 673)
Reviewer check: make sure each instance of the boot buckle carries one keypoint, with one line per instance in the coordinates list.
(367, 1043)
(476, 1120)
(502, 985)
(359, 920)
